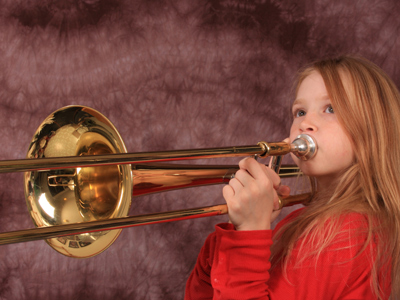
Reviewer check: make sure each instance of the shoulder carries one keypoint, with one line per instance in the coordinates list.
(350, 230)
(340, 239)
(337, 260)
(353, 220)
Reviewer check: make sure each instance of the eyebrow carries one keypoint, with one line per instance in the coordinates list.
(299, 100)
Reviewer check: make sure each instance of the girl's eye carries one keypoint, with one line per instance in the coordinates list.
(299, 113)
(329, 110)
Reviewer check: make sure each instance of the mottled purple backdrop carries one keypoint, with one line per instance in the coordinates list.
(169, 75)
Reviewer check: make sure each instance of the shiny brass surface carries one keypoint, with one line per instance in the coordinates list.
(303, 146)
(75, 195)
(79, 184)
(153, 178)
(53, 163)
(159, 177)
(64, 231)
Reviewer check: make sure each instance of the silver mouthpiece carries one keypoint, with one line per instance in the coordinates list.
(304, 147)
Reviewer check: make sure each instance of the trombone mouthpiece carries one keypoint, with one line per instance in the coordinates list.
(304, 147)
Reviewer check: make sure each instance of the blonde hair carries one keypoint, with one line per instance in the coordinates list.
(367, 105)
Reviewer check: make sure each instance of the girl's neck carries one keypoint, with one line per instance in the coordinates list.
(326, 185)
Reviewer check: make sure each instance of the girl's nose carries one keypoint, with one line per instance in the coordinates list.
(309, 123)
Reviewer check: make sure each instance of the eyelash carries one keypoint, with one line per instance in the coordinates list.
(330, 107)
(298, 111)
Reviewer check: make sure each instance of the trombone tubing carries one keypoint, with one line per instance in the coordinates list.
(34, 234)
(52, 163)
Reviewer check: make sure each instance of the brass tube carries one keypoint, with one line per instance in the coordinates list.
(53, 163)
(34, 234)
(145, 178)
(159, 177)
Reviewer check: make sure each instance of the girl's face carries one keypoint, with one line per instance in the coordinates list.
(313, 114)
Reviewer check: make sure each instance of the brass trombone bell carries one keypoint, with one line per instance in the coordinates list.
(79, 180)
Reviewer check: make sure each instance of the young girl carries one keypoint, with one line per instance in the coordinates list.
(345, 243)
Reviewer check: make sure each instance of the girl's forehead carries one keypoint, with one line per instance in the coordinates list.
(312, 88)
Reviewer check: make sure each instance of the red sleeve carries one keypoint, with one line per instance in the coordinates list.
(198, 285)
(231, 265)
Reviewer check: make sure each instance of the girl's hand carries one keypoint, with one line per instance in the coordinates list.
(252, 196)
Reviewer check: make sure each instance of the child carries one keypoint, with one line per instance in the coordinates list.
(345, 243)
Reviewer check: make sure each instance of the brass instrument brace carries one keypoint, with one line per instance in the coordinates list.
(271, 149)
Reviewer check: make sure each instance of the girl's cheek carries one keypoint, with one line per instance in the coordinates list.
(294, 129)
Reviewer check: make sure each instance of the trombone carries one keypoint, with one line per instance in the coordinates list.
(79, 180)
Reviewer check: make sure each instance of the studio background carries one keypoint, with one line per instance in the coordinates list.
(169, 75)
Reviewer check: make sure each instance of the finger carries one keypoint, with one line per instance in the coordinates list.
(244, 177)
(277, 202)
(259, 171)
(275, 179)
(283, 191)
(228, 192)
(232, 188)
(255, 169)
(236, 184)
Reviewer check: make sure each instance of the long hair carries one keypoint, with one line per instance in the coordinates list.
(367, 105)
